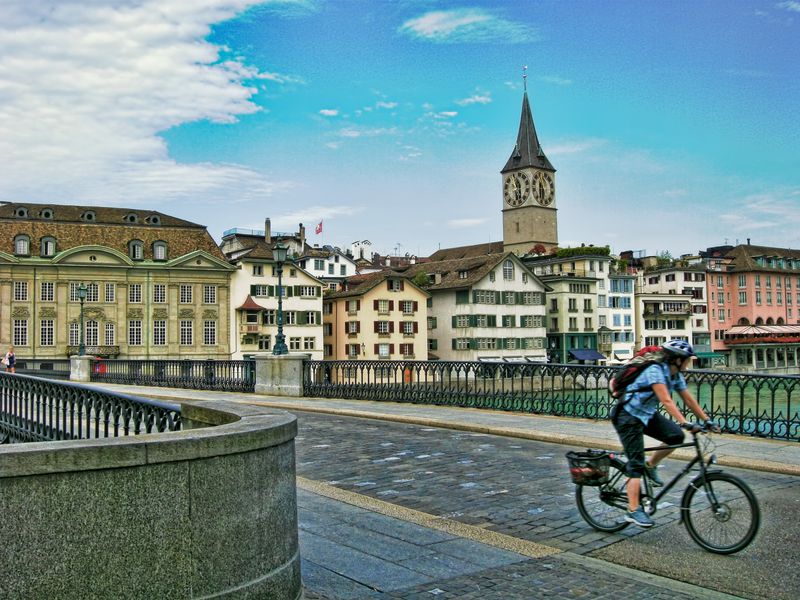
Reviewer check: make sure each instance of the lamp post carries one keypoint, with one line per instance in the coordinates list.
(279, 255)
(82, 298)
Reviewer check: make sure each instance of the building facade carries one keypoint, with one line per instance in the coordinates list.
(156, 286)
(379, 316)
(487, 307)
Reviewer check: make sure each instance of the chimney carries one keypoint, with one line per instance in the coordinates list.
(748, 241)
(267, 231)
(302, 236)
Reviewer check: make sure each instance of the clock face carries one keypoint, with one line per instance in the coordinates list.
(544, 188)
(516, 189)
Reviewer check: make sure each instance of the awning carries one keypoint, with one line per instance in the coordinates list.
(587, 355)
(250, 304)
(709, 355)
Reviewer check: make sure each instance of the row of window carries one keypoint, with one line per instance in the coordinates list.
(294, 343)
(290, 317)
(572, 304)
(573, 324)
(379, 350)
(460, 321)
(496, 297)
(787, 281)
(687, 276)
(286, 291)
(48, 248)
(47, 292)
(92, 330)
(486, 343)
(21, 212)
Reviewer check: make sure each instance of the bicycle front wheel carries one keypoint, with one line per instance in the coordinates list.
(604, 506)
(721, 513)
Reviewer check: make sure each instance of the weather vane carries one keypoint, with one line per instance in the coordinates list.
(525, 77)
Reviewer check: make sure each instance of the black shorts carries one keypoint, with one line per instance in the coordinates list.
(631, 433)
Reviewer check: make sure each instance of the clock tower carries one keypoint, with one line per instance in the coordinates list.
(529, 192)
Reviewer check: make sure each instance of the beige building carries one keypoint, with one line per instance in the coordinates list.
(380, 316)
(156, 286)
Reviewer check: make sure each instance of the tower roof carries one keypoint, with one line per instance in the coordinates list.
(527, 151)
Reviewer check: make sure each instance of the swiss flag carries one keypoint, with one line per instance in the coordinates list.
(318, 229)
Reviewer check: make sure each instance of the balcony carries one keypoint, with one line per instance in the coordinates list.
(249, 328)
(101, 351)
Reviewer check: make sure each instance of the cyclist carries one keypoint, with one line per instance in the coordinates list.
(638, 416)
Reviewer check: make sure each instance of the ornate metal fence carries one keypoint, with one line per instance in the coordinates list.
(44, 367)
(34, 409)
(224, 375)
(761, 405)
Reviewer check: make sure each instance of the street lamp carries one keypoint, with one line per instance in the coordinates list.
(81, 297)
(279, 256)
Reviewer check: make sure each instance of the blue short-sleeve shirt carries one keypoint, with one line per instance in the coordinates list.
(644, 404)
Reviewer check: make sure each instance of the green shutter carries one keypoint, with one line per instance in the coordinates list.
(498, 297)
(473, 344)
(462, 297)
(301, 317)
(473, 320)
(492, 320)
(271, 290)
(252, 290)
(453, 318)
(474, 296)
(453, 343)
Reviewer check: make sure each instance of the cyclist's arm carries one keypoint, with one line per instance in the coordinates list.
(663, 395)
(693, 405)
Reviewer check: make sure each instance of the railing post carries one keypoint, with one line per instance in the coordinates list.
(280, 375)
(80, 368)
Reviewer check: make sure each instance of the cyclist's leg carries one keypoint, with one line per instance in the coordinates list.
(630, 431)
(666, 431)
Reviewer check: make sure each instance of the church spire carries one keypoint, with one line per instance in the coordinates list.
(527, 151)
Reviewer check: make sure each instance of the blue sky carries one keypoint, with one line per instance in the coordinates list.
(673, 125)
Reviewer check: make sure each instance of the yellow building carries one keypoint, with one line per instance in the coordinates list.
(380, 316)
(156, 286)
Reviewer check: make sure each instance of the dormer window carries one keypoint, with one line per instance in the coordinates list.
(22, 245)
(21, 212)
(48, 247)
(131, 218)
(46, 213)
(153, 220)
(462, 274)
(136, 249)
(159, 250)
(89, 216)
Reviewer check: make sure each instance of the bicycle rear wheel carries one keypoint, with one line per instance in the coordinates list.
(721, 513)
(604, 506)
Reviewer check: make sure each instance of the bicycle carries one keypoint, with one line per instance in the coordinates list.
(719, 510)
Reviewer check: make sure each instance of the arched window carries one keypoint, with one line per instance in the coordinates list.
(22, 245)
(92, 333)
(770, 321)
(759, 321)
(48, 246)
(508, 270)
(744, 321)
(136, 249)
(159, 250)
(779, 321)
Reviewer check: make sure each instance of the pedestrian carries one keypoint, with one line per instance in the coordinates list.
(10, 360)
(638, 416)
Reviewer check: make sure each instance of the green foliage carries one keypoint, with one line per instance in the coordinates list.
(665, 259)
(583, 251)
(421, 279)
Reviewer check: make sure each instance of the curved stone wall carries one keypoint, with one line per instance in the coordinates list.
(208, 512)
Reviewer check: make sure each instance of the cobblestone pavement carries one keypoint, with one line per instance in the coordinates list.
(516, 487)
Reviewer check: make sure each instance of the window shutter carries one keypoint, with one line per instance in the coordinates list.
(296, 289)
(358, 305)
(318, 314)
(473, 344)
(391, 305)
(462, 297)
(375, 323)
(252, 290)
(518, 297)
(474, 296)
(498, 297)
(415, 306)
(271, 290)
(375, 305)
(492, 321)
(453, 321)
(473, 320)
(389, 284)
(317, 291)
(402, 285)
(391, 349)
(453, 343)
(302, 318)
(416, 327)
(391, 326)
(288, 291)
(377, 349)
(358, 326)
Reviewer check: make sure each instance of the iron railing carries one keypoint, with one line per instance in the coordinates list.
(34, 409)
(745, 403)
(51, 368)
(223, 375)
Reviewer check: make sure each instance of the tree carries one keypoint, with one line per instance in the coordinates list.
(421, 279)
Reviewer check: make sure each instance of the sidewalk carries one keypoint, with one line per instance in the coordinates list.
(773, 456)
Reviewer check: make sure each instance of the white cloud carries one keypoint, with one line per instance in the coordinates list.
(358, 132)
(476, 98)
(465, 223)
(574, 146)
(87, 87)
(554, 79)
(386, 104)
(466, 25)
(790, 5)
(313, 214)
(329, 112)
(445, 114)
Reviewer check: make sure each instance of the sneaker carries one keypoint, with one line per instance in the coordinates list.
(639, 517)
(652, 475)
